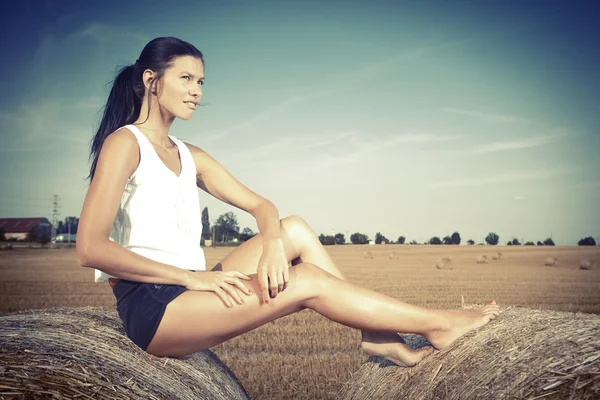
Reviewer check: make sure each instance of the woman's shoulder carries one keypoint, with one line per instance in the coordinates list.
(122, 144)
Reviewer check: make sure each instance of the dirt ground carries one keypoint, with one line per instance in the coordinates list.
(305, 356)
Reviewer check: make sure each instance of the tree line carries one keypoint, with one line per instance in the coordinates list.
(226, 229)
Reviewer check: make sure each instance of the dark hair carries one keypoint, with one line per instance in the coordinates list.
(125, 99)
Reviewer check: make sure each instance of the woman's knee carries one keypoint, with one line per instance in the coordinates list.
(297, 228)
(312, 279)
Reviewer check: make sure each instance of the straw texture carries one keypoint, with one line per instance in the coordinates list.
(523, 354)
(84, 353)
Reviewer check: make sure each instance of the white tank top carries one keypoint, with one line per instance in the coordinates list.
(159, 215)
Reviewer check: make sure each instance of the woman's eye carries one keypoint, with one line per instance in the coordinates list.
(186, 77)
(201, 83)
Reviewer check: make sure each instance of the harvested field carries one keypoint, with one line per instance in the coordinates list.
(304, 356)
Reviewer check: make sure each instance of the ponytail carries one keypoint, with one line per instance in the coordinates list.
(122, 108)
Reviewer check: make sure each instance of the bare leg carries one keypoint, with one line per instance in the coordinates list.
(197, 320)
(301, 244)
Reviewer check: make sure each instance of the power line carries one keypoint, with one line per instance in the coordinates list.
(55, 214)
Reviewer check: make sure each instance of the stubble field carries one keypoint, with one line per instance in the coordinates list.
(305, 356)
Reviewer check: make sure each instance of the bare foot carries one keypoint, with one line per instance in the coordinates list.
(392, 347)
(461, 322)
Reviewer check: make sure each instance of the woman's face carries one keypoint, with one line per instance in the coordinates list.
(180, 89)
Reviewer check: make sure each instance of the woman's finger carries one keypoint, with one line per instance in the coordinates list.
(286, 277)
(232, 291)
(273, 285)
(264, 285)
(223, 295)
(280, 282)
(239, 284)
(238, 274)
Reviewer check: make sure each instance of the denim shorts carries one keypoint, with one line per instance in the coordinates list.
(141, 307)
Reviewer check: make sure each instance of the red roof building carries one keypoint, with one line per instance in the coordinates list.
(18, 228)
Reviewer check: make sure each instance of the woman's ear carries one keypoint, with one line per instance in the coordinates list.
(148, 77)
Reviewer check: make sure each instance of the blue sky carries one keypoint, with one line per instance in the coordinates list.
(405, 118)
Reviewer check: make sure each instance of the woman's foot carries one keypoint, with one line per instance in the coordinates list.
(392, 347)
(460, 322)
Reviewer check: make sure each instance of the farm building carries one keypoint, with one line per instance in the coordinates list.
(18, 228)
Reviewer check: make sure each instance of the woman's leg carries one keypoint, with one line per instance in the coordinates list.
(301, 244)
(198, 320)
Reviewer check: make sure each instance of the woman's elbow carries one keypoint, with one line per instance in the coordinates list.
(83, 250)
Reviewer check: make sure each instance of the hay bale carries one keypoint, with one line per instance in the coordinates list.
(482, 259)
(500, 256)
(83, 352)
(495, 258)
(522, 354)
(587, 264)
(551, 261)
(443, 263)
(584, 264)
(368, 254)
(393, 255)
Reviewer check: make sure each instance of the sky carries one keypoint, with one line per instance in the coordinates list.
(406, 118)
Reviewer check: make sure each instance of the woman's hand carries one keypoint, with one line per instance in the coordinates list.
(273, 269)
(224, 283)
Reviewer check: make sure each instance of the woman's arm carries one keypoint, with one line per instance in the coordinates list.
(118, 159)
(272, 268)
(214, 179)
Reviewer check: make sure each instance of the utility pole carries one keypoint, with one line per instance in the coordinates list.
(55, 214)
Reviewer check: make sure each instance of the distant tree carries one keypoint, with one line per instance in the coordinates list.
(447, 240)
(2, 237)
(470, 242)
(227, 226)
(516, 242)
(247, 234)
(587, 241)
(540, 243)
(206, 234)
(339, 238)
(509, 243)
(492, 238)
(326, 240)
(435, 240)
(548, 242)
(359, 238)
(379, 238)
(456, 238)
(60, 228)
(401, 240)
(529, 244)
(413, 242)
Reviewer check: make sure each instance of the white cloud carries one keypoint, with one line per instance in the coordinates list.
(518, 144)
(494, 179)
(262, 116)
(487, 116)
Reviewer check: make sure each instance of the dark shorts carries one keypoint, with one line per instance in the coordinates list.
(141, 307)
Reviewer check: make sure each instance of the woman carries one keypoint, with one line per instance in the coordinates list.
(140, 229)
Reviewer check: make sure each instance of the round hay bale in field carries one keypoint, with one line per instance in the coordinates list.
(482, 259)
(551, 261)
(587, 264)
(522, 354)
(443, 263)
(495, 258)
(584, 264)
(368, 254)
(84, 353)
(500, 256)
